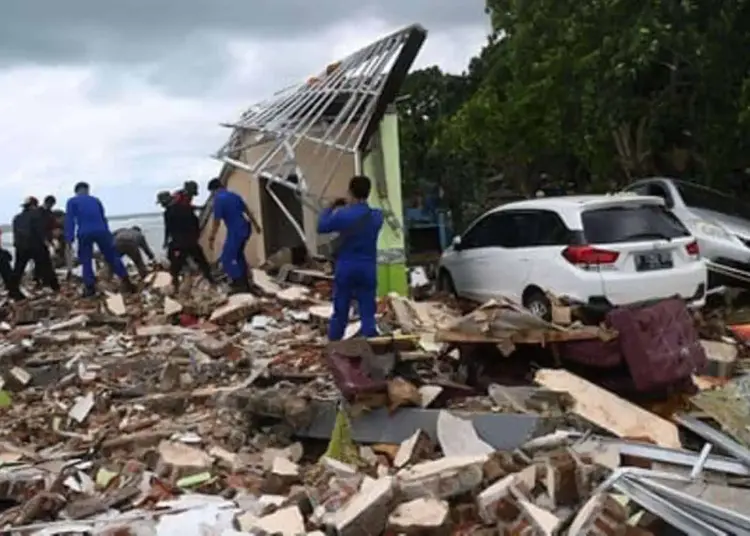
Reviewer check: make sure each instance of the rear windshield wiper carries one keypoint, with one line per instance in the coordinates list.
(661, 236)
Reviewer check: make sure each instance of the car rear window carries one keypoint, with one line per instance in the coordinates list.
(630, 224)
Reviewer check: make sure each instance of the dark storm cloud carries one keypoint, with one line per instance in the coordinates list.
(83, 31)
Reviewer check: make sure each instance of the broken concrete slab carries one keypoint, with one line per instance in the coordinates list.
(285, 521)
(458, 437)
(421, 517)
(180, 459)
(238, 307)
(366, 512)
(115, 304)
(171, 307)
(411, 449)
(722, 358)
(442, 478)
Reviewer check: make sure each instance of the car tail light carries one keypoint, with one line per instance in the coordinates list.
(589, 255)
(693, 249)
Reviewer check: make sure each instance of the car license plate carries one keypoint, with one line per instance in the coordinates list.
(653, 260)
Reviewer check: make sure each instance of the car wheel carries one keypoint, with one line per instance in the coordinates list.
(445, 283)
(538, 304)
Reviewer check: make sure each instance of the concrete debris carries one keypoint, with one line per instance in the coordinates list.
(152, 414)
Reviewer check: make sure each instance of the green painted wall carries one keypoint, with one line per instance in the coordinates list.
(384, 160)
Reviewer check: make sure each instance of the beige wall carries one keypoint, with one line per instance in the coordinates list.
(316, 163)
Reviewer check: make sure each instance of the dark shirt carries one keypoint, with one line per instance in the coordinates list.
(129, 239)
(181, 225)
(28, 229)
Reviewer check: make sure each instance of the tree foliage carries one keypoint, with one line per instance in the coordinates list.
(590, 92)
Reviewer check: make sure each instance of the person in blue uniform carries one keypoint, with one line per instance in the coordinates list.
(85, 221)
(231, 209)
(355, 269)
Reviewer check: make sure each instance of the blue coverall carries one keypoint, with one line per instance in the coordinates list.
(355, 272)
(86, 213)
(230, 208)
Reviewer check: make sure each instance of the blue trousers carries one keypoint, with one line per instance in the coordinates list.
(354, 280)
(233, 254)
(105, 243)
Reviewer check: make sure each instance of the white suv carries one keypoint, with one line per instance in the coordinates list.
(600, 250)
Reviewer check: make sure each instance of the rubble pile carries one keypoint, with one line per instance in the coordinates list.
(191, 412)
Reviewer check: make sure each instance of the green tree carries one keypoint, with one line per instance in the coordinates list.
(620, 89)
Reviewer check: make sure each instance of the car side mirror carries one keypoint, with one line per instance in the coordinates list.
(457, 243)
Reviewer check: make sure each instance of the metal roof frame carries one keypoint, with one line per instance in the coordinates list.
(339, 110)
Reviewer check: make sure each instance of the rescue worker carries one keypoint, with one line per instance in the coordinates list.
(355, 269)
(187, 194)
(49, 226)
(30, 241)
(85, 220)
(240, 222)
(164, 199)
(129, 241)
(181, 235)
(8, 277)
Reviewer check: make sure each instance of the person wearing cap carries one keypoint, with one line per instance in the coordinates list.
(182, 234)
(231, 209)
(187, 194)
(86, 221)
(30, 241)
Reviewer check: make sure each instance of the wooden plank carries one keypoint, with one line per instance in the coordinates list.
(526, 337)
(608, 410)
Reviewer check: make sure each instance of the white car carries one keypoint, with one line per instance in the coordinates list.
(601, 250)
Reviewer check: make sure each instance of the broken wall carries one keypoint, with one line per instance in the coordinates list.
(384, 160)
(318, 164)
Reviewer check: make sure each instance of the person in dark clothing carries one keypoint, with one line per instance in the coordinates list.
(182, 234)
(164, 199)
(7, 275)
(239, 222)
(50, 224)
(30, 241)
(187, 194)
(130, 241)
(355, 267)
(86, 221)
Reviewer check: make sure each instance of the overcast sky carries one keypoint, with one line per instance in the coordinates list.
(127, 95)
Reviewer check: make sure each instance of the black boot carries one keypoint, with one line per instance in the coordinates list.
(89, 292)
(127, 286)
(237, 287)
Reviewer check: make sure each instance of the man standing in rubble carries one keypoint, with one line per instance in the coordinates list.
(181, 239)
(355, 269)
(187, 194)
(8, 277)
(129, 241)
(86, 221)
(30, 240)
(240, 222)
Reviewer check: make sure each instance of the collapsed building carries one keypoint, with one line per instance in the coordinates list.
(290, 155)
